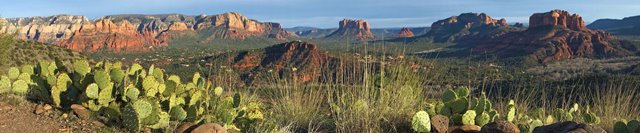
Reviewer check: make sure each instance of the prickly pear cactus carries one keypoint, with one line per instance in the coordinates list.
(469, 117)
(458, 106)
(591, 118)
(483, 119)
(117, 75)
(132, 93)
(20, 87)
(633, 125)
(549, 120)
(102, 78)
(218, 91)
(134, 68)
(143, 108)
(106, 95)
(162, 122)
(5, 84)
(25, 77)
(535, 123)
(195, 97)
(511, 114)
(81, 67)
(620, 127)
(178, 114)
(13, 73)
(92, 91)
(27, 69)
(421, 122)
(131, 119)
(462, 92)
(149, 82)
(449, 95)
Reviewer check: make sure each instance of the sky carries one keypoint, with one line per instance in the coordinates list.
(327, 13)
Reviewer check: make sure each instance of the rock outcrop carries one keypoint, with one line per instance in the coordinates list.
(557, 18)
(353, 29)
(280, 60)
(467, 26)
(552, 36)
(136, 32)
(405, 33)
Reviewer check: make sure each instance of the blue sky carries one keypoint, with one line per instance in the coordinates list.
(327, 13)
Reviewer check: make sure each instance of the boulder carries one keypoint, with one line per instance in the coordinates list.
(42, 108)
(439, 124)
(209, 128)
(465, 129)
(81, 111)
(500, 127)
(185, 128)
(568, 126)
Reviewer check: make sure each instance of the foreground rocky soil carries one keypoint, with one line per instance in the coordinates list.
(24, 118)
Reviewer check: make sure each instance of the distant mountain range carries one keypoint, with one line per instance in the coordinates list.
(313, 32)
(625, 26)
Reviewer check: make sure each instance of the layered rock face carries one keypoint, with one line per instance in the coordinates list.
(45, 29)
(555, 35)
(466, 26)
(136, 32)
(405, 33)
(281, 60)
(353, 29)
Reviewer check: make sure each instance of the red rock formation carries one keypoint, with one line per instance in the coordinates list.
(467, 26)
(552, 36)
(104, 34)
(469, 19)
(353, 29)
(237, 26)
(558, 18)
(404, 33)
(301, 58)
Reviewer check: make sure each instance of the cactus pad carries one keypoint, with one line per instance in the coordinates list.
(5, 84)
(13, 73)
(92, 91)
(462, 92)
(483, 119)
(81, 67)
(469, 117)
(178, 114)
(20, 87)
(27, 69)
(421, 122)
(449, 95)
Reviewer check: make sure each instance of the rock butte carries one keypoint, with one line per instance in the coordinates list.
(134, 32)
(353, 29)
(404, 33)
